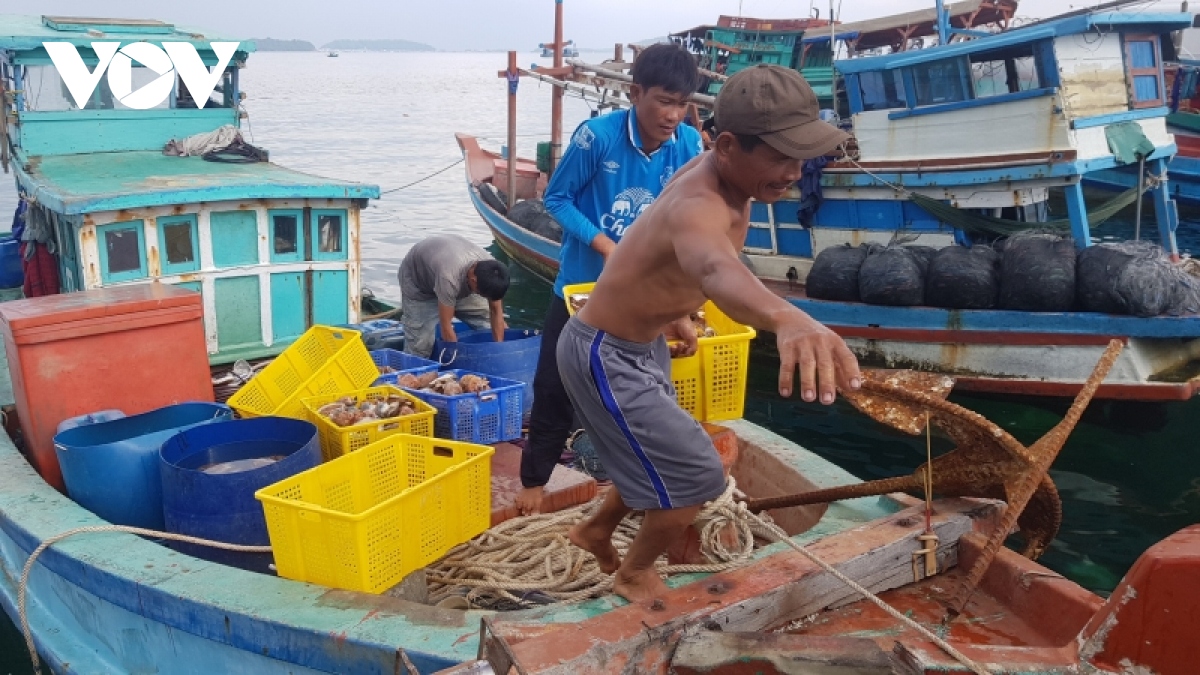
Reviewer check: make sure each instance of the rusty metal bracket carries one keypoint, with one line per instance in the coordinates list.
(495, 650)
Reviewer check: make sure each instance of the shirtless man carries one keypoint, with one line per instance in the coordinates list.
(613, 355)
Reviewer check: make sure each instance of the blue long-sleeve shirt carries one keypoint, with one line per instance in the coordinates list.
(604, 181)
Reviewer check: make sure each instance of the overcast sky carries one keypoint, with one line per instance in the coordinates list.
(479, 24)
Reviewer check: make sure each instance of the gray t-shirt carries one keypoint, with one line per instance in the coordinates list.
(436, 269)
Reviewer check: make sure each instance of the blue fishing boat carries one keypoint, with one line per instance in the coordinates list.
(272, 250)
(982, 125)
(105, 601)
(569, 50)
(1183, 171)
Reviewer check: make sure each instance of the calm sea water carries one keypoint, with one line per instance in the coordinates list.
(1129, 475)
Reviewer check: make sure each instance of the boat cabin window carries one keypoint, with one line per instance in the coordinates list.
(121, 251)
(1005, 72)
(882, 90)
(46, 91)
(178, 244)
(329, 235)
(940, 82)
(287, 236)
(1143, 68)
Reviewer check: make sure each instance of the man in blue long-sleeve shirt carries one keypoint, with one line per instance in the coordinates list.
(614, 168)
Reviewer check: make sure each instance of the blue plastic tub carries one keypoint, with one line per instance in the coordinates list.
(90, 418)
(206, 495)
(380, 333)
(111, 467)
(12, 273)
(514, 359)
(487, 417)
(401, 363)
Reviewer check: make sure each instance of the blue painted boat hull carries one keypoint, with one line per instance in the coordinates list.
(1183, 179)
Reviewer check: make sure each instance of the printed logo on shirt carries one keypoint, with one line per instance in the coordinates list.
(610, 166)
(629, 204)
(584, 138)
(666, 177)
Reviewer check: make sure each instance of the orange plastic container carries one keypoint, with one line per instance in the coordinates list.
(134, 348)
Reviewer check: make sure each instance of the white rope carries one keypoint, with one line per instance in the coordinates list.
(533, 553)
(21, 588)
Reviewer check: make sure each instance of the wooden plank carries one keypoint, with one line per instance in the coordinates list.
(770, 592)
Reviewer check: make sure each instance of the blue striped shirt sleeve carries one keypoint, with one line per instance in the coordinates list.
(578, 166)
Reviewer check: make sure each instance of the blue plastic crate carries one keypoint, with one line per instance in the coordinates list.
(488, 417)
(401, 363)
(380, 333)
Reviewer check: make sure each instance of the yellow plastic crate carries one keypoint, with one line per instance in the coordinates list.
(711, 384)
(366, 520)
(324, 360)
(337, 441)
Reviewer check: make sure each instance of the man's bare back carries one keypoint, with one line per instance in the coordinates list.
(664, 292)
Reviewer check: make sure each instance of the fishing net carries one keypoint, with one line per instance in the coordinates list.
(963, 278)
(893, 275)
(1134, 277)
(834, 274)
(1037, 273)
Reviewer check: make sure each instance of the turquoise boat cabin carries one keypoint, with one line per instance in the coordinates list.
(273, 251)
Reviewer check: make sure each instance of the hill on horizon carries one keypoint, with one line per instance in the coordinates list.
(380, 45)
(274, 45)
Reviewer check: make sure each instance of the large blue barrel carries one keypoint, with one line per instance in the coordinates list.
(111, 467)
(514, 359)
(12, 273)
(210, 474)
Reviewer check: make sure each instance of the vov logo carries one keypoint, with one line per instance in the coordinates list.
(180, 57)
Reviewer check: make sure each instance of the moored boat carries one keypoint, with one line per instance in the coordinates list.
(919, 117)
(271, 250)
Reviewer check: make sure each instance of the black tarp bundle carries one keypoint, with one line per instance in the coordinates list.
(532, 215)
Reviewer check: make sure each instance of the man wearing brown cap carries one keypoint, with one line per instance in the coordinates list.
(613, 355)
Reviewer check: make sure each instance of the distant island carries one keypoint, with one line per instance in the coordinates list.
(273, 45)
(380, 45)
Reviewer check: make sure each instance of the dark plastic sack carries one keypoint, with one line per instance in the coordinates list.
(834, 274)
(963, 278)
(1037, 273)
(892, 276)
(532, 215)
(494, 197)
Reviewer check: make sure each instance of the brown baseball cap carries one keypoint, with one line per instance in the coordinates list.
(777, 105)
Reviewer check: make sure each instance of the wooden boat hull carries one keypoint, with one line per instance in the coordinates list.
(116, 603)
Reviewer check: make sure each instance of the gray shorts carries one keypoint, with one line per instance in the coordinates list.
(656, 454)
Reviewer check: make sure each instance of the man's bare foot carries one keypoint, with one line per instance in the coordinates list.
(597, 544)
(529, 501)
(643, 586)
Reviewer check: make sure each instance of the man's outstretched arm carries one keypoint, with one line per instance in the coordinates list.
(706, 254)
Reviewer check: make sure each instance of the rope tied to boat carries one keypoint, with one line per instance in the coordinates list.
(533, 553)
(50, 541)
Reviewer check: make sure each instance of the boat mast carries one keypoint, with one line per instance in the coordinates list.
(557, 100)
(943, 23)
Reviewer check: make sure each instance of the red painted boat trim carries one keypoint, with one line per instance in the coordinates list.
(1150, 391)
(974, 337)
